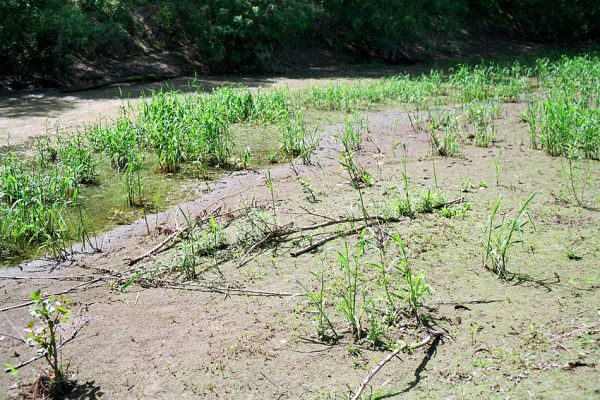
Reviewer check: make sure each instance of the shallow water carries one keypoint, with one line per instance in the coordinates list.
(105, 204)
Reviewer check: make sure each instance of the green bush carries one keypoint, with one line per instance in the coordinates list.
(41, 36)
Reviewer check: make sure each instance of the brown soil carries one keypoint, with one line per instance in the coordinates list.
(536, 336)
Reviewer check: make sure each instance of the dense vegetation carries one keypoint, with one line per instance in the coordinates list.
(176, 130)
(46, 36)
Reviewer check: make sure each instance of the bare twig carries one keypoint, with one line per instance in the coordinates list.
(324, 240)
(179, 233)
(387, 359)
(223, 289)
(47, 278)
(277, 384)
(252, 248)
(452, 303)
(14, 328)
(76, 287)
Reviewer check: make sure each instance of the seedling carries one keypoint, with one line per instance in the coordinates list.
(44, 334)
(270, 187)
(308, 188)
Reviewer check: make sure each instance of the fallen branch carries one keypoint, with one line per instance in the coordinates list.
(387, 359)
(58, 278)
(176, 235)
(251, 249)
(76, 287)
(72, 289)
(223, 289)
(321, 242)
(453, 303)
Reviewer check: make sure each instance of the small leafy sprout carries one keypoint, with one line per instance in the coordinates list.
(430, 201)
(325, 329)
(269, 181)
(453, 212)
(44, 334)
(572, 254)
(247, 158)
(416, 286)
(308, 189)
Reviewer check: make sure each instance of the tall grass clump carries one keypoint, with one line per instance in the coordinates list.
(361, 95)
(481, 116)
(565, 121)
(270, 106)
(32, 205)
(501, 234)
(372, 298)
(444, 134)
(75, 154)
(296, 140)
(186, 128)
(119, 141)
(490, 81)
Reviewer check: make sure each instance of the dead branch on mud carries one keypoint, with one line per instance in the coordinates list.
(217, 289)
(92, 280)
(388, 358)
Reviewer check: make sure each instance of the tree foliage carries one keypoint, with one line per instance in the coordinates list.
(46, 36)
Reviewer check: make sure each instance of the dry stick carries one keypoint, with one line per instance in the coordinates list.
(28, 303)
(384, 361)
(278, 385)
(323, 241)
(251, 249)
(222, 289)
(373, 219)
(169, 238)
(47, 278)
(76, 287)
(14, 328)
(175, 235)
(452, 303)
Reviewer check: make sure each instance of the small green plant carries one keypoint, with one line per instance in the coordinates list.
(352, 132)
(44, 334)
(481, 115)
(430, 201)
(404, 205)
(46, 152)
(188, 247)
(73, 153)
(572, 254)
(324, 326)
(358, 175)
(417, 289)
(453, 212)
(576, 180)
(134, 186)
(308, 189)
(349, 291)
(501, 235)
(269, 182)
(444, 143)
